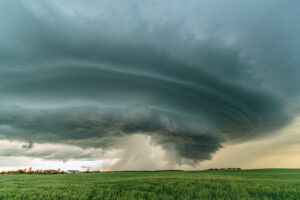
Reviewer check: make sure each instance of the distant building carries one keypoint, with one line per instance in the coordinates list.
(73, 171)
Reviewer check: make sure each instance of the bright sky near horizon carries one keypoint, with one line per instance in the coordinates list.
(144, 85)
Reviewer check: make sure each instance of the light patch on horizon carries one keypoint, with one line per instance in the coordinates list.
(18, 155)
(136, 153)
(279, 151)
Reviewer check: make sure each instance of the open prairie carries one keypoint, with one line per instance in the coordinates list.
(216, 184)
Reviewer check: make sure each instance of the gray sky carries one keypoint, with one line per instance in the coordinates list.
(131, 83)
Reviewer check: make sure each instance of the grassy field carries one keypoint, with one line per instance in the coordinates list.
(245, 184)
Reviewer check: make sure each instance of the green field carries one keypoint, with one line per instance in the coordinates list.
(245, 184)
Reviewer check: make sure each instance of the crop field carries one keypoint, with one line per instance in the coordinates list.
(219, 184)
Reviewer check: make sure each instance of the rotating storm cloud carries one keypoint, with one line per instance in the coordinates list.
(188, 75)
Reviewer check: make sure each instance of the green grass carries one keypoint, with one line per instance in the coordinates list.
(246, 184)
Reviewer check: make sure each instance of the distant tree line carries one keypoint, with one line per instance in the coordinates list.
(37, 171)
(230, 168)
(45, 171)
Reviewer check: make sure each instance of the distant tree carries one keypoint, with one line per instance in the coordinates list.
(29, 170)
(20, 171)
(38, 171)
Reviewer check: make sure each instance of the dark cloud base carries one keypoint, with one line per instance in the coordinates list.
(102, 128)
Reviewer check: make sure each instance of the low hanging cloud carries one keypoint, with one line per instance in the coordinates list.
(190, 76)
(51, 151)
(103, 128)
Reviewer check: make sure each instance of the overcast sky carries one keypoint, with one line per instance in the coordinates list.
(149, 84)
